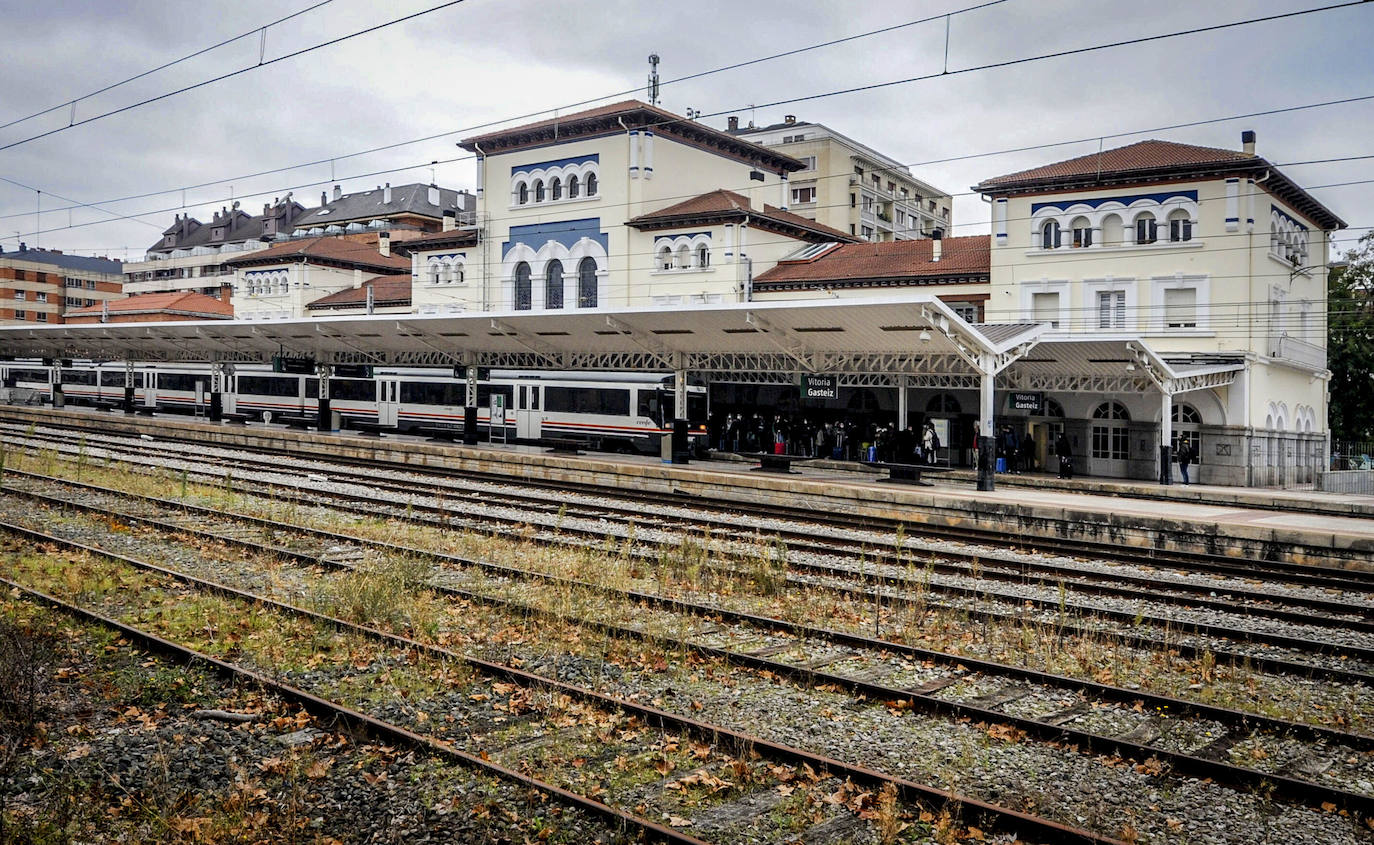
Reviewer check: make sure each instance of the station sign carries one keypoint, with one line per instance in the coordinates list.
(819, 390)
(288, 364)
(353, 371)
(1031, 402)
(498, 409)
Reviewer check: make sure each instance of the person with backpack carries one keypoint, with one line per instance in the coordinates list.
(1185, 457)
(1064, 451)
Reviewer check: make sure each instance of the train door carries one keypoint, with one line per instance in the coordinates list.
(527, 413)
(149, 388)
(388, 401)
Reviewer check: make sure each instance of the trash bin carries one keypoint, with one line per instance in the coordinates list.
(681, 442)
(665, 448)
(1001, 464)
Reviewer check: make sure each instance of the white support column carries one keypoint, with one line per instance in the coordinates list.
(1166, 436)
(987, 448)
(648, 154)
(782, 192)
(634, 153)
(903, 388)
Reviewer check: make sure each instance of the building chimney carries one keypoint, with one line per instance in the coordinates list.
(23, 247)
(386, 194)
(1247, 142)
(450, 219)
(936, 248)
(789, 119)
(732, 123)
(433, 194)
(357, 278)
(384, 243)
(105, 311)
(338, 193)
(371, 297)
(324, 198)
(226, 292)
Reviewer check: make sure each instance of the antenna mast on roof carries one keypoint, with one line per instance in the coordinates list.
(653, 79)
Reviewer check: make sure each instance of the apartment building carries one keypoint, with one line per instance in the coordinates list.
(850, 186)
(42, 285)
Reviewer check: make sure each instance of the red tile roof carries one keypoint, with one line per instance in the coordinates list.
(905, 260)
(635, 115)
(336, 250)
(386, 290)
(1142, 156)
(436, 240)
(723, 204)
(176, 302)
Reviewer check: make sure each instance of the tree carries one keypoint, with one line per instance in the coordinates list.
(1350, 343)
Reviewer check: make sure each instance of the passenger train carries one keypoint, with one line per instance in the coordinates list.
(618, 412)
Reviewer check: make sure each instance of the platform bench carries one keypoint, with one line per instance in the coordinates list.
(770, 462)
(294, 421)
(235, 419)
(370, 429)
(563, 445)
(905, 473)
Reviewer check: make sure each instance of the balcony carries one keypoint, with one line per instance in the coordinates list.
(1299, 352)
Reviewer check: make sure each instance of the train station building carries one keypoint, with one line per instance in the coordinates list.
(1131, 300)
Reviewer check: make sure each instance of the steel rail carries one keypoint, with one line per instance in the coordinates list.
(1294, 788)
(1260, 663)
(1310, 575)
(997, 817)
(353, 719)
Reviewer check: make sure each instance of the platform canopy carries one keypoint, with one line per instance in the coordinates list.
(916, 336)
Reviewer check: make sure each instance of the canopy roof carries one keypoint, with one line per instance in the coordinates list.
(875, 341)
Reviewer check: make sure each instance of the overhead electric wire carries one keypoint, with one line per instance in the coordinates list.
(822, 95)
(261, 64)
(254, 31)
(556, 109)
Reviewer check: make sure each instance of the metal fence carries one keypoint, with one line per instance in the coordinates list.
(1349, 468)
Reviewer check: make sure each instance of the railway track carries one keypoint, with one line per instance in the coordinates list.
(1303, 630)
(1201, 563)
(988, 692)
(625, 734)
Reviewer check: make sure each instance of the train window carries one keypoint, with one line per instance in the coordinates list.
(484, 392)
(696, 407)
(30, 375)
(181, 381)
(78, 377)
(648, 404)
(269, 385)
(312, 388)
(112, 379)
(581, 400)
(355, 389)
(534, 398)
(433, 393)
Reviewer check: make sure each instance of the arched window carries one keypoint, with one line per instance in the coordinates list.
(434, 273)
(942, 403)
(665, 258)
(553, 284)
(1082, 232)
(1049, 235)
(1112, 230)
(586, 283)
(539, 190)
(572, 187)
(1185, 414)
(1053, 408)
(591, 184)
(1110, 436)
(1111, 411)
(703, 256)
(1180, 226)
(522, 194)
(523, 293)
(1146, 229)
(684, 257)
(555, 188)
(455, 273)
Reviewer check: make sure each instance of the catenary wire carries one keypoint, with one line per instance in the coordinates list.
(202, 51)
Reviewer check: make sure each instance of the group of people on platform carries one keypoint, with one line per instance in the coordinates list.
(843, 440)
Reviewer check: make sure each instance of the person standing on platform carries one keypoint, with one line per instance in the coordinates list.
(1028, 453)
(930, 442)
(1064, 452)
(1185, 457)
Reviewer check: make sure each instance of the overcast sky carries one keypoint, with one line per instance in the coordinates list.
(483, 61)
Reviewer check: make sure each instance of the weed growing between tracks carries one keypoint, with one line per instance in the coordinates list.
(690, 570)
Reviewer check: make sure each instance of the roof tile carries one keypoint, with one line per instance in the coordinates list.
(327, 249)
(891, 260)
(1143, 155)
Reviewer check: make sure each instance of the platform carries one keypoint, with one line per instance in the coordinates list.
(1192, 518)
